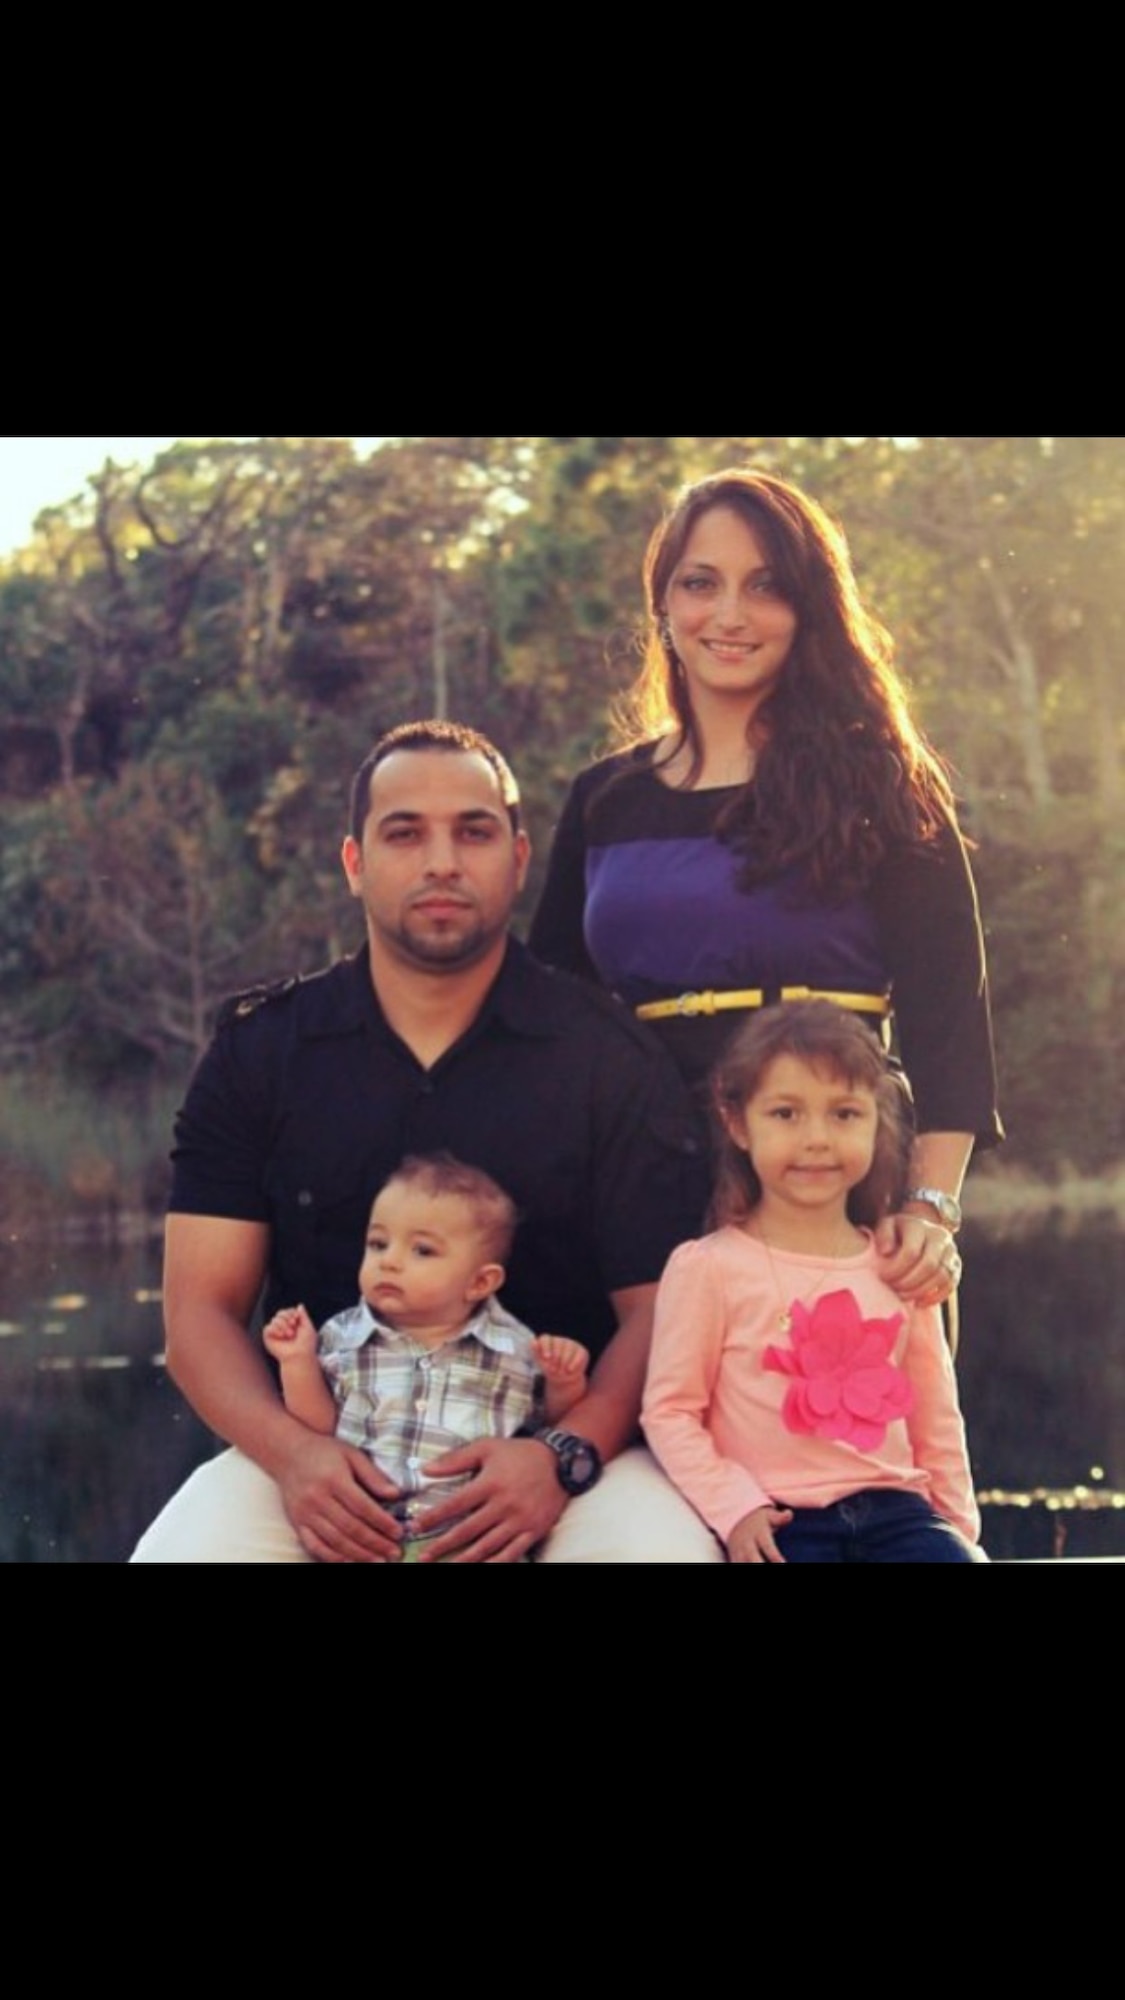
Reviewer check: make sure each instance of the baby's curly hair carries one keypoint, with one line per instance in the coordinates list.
(494, 1212)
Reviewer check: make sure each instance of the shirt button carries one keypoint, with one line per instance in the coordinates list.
(304, 1199)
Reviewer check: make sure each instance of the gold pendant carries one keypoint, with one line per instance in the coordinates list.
(785, 1319)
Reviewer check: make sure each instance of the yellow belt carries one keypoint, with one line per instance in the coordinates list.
(690, 1004)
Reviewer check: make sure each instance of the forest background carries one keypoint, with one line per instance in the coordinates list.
(197, 652)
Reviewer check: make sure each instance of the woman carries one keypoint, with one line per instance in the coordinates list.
(777, 824)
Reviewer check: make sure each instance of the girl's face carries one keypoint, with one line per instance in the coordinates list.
(731, 631)
(809, 1133)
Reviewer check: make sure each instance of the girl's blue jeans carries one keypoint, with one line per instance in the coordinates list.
(878, 1525)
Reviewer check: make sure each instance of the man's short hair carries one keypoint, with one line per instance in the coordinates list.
(431, 735)
(494, 1211)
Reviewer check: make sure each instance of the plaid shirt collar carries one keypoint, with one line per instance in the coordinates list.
(491, 1324)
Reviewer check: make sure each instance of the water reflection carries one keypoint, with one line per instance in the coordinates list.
(1042, 1375)
(94, 1437)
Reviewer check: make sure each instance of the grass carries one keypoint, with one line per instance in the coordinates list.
(74, 1156)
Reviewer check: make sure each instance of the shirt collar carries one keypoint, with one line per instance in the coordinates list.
(491, 1324)
(343, 1000)
(522, 995)
(340, 1000)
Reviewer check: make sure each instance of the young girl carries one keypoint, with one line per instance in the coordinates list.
(807, 1412)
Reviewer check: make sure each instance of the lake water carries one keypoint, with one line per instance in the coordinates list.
(94, 1437)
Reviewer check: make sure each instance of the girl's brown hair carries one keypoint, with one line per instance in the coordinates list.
(834, 1042)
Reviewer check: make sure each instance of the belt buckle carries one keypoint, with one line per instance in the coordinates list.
(689, 1004)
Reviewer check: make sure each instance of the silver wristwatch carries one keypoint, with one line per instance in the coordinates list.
(947, 1207)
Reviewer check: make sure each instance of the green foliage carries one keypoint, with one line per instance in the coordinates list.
(233, 740)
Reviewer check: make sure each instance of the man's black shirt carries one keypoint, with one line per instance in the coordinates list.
(307, 1100)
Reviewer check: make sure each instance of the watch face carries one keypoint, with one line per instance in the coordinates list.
(579, 1465)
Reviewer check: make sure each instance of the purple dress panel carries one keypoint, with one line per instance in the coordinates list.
(640, 896)
(667, 916)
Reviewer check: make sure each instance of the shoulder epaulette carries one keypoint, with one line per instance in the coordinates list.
(241, 1005)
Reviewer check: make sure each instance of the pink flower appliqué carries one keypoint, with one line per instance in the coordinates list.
(845, 1385)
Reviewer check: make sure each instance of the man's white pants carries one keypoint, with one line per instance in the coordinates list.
(230, 1511)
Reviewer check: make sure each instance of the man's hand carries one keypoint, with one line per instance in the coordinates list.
(511, 1502)
(331, 1493)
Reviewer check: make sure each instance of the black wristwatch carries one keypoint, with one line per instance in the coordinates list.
(577, 1461)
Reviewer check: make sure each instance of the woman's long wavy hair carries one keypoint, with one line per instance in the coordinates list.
(837, 1044)
(842, 771)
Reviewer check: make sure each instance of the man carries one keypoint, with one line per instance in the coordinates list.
(443, 1033)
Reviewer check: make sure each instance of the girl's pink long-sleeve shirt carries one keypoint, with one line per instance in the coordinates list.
(713, 1411)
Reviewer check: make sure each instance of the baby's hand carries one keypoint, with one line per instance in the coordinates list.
(560, 1359)
(289, 1333)
(752, 1540)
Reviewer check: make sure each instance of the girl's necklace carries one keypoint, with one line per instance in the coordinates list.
(785, 1306)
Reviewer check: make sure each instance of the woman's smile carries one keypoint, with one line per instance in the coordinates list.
(730, 629)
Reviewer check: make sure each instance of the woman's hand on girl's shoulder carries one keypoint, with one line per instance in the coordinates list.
(918, 1259)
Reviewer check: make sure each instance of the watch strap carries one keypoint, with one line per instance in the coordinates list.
(944, 1205)
(568, 1446)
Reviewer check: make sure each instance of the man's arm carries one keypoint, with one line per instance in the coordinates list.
(213, 1273)
(610, 1411)
(514, 1497)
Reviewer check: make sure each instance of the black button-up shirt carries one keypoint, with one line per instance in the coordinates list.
(307, 1100)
